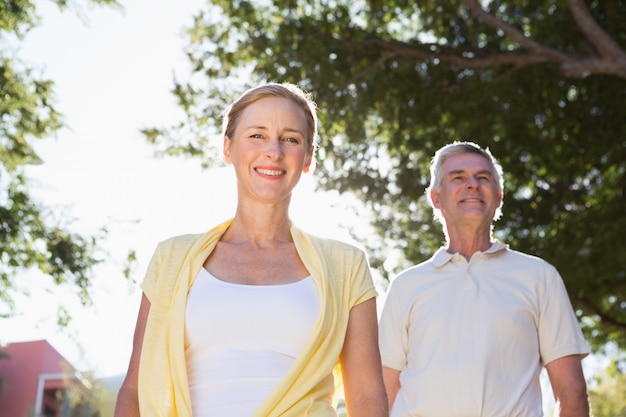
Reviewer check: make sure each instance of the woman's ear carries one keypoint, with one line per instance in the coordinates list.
(227, 143)
(309, 160)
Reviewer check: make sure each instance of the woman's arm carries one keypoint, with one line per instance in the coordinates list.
(360, 364)
(127, 404)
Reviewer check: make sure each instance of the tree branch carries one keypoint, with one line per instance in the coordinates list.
(605, 318)
(604, 45)
(512, 32)
(467, 59)
(610, 58)
(607, 57)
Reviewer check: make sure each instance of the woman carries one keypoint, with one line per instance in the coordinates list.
(252, 317)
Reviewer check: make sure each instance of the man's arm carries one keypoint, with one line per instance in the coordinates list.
(392, 383)
(569, 386)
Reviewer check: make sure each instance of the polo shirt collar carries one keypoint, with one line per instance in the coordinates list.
(442, 256)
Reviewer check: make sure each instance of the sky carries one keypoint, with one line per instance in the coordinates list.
(113, 72)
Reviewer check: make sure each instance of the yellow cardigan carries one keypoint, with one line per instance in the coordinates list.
(343, 279)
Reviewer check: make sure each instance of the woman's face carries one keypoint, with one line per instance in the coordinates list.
(269, 149)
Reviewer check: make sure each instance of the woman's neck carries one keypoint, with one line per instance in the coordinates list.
(259, 226)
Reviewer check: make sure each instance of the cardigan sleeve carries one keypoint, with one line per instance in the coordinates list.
(164, 267)
(149, 283)
(361, 284)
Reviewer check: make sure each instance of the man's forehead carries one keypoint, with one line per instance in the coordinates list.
(467, 162)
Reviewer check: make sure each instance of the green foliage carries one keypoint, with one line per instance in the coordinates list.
(608, 394)
(17, 16)
(29, 236)
(27, 241)
(541, 83)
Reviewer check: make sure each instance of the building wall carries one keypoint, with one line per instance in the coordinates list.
(20, 372)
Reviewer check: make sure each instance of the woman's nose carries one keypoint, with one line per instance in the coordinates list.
(273, 149)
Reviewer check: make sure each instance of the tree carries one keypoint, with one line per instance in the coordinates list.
(542, 83)
(607, 396)
(3, 356)
(29, 236)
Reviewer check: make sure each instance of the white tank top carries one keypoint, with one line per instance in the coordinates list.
(240, 340)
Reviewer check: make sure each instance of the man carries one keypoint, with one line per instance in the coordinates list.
(468, 332)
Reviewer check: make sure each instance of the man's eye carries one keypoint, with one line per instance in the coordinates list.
(291, 140)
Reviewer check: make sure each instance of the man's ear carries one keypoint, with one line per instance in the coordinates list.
(434, 197)
(227, 143)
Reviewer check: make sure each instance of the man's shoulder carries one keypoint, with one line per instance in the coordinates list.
(512, 255)
(416, 271)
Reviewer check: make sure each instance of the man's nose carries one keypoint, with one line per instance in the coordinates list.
(472, 182)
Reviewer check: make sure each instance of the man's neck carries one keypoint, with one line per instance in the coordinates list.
(468, 242)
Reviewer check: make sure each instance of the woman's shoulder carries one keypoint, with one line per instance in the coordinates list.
(189, 239)
(180, 241)
(183, 239)
(332, 245)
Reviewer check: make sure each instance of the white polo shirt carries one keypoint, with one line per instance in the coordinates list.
(471, 338)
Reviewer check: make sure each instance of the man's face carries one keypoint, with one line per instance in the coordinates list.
(469, 190)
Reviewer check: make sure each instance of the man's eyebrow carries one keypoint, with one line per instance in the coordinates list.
(462, 171)
(456, 171)
(485, 171)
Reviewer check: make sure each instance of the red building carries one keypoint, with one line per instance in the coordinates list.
(36, 381)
